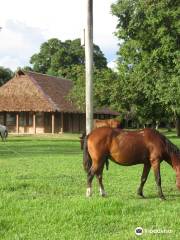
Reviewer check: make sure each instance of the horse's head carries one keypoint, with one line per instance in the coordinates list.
(178, 175)
(82, 140)
(176, 166)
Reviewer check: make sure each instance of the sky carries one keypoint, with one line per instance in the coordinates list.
(27, 24)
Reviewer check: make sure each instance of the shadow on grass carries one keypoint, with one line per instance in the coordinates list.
(167, 196)
(24, 139)
(21, 186)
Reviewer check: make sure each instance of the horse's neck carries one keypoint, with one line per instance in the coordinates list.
(169, 161)
(175, 159)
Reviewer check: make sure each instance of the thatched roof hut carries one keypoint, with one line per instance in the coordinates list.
(30, 91)
(28, 94)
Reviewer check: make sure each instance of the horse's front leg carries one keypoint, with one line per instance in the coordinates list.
(155, 163)
(144, 176)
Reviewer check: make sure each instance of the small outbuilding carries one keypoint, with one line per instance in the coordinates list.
(37, 103)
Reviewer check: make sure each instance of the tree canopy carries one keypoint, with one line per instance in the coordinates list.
(63, 58)
(5, 75)
(67, 59)
(147, 87)
(103, 79)
(148, 58)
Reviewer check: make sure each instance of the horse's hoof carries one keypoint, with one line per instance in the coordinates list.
(141, 195)
(88, 196)
(102, 193)
(88, 192)
(162, 198)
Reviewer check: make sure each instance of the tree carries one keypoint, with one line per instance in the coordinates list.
(103, 80)
(148, 55)
(5, 75)
(27, 68)
(67, 59)
(58, 58)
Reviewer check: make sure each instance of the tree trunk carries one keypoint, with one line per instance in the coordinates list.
(168, 127)
(178, 125)
(157, 125)
(127, 123)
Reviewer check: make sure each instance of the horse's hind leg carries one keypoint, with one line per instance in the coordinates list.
(96, 169)
(144, 176)
(99, 176)
(101, 189)
(90, 177)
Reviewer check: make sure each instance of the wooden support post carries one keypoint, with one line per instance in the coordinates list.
(71, 120)
(34, 122)
(52, 121)
(5, 118)
(79, 122)
(89, 65)
(17, 123)
(62, 122)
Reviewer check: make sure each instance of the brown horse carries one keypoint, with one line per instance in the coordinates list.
(113, 123)
(148, 147)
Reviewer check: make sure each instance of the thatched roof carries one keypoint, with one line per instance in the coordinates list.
(30, 91)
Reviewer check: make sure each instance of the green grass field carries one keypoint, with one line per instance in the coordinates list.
(42, 195)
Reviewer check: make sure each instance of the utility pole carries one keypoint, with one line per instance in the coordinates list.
(89, 65)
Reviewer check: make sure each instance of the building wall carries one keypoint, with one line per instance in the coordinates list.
(25, 122)
(63, 122)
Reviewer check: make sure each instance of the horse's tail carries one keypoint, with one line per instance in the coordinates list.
(87, 161)
(82, 137)
(107, 163)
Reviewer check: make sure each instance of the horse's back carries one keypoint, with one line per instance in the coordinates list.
(100, 134)
(141, 146)
(2, 127)
(123, 147)
(129, 148)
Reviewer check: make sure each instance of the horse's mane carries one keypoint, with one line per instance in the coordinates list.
(170, 147)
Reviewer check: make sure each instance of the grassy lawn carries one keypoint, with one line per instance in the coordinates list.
(42, 195)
